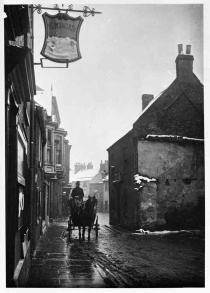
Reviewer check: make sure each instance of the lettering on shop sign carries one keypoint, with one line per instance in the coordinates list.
(61, 25)
(61, 42)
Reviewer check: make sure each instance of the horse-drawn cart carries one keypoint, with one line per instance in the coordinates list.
(82, 215)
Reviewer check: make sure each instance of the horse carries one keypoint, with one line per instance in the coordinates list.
(83, 215)
(88, 216)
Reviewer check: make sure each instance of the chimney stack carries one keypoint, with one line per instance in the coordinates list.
(146, 99)
(104, 166)
(79, 167)
(89, 166)
(184, 63)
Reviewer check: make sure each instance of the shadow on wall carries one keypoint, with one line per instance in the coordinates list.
(188, 218)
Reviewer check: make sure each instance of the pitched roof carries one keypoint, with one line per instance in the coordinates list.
(153, 115)
(84, 175)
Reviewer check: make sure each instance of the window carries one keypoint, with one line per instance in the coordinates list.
(40, 147)
(106, 185)
(20, 207)
(38, 203)
(49, 151)
(49, 155)
(49, 137)
(21, 152)
(58, 149)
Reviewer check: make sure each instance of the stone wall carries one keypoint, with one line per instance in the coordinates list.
(179, 170)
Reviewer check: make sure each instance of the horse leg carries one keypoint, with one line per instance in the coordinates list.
(83, 233)
(89, 229)
(79, 233)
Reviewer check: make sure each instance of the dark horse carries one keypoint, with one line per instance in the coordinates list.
(83, 215)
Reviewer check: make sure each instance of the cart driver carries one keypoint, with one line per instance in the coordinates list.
(77, 191)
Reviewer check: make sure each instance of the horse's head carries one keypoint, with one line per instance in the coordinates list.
(78, 203)
(91, 205)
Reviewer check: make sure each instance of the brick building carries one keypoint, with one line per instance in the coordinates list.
(165, 150)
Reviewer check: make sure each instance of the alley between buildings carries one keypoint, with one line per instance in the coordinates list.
(118, 258)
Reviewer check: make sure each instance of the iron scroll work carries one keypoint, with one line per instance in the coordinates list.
(61, 44)
(61, 37)
(86, 10)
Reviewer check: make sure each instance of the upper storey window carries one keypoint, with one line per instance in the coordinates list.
(58, 143)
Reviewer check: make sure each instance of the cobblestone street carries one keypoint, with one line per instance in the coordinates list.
(118, 258)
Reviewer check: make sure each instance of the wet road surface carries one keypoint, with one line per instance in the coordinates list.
(118, 258)
(60, 263)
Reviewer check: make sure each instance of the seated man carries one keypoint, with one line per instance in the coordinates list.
(77, 191)
(76, 199)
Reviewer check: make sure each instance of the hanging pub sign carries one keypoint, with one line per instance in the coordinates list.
(61, 37)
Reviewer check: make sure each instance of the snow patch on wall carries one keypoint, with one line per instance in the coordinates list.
(140, 181)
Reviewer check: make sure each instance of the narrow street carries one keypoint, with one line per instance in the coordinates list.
(118, 259)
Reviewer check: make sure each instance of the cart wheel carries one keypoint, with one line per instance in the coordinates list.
(96, 225)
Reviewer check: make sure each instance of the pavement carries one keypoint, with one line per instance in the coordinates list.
(58, 263)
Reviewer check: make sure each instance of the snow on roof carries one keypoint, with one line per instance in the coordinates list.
(174, 137)
(84, 175)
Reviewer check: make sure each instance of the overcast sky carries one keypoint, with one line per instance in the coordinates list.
(127, 51)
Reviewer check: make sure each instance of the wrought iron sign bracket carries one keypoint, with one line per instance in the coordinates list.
(86, 10)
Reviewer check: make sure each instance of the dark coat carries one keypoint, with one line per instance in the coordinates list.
(77, 191)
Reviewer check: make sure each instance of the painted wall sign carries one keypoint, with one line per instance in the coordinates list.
(61, 37)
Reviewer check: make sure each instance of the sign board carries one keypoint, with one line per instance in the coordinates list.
(61, 37)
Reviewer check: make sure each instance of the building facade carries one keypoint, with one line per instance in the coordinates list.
(157, 168)
(19, 128)
(56, 159)
(31, 162)
(99, 187)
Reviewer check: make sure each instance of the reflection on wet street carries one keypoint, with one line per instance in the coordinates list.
(117, 259)
(63, 262)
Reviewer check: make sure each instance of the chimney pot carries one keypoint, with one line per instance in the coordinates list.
(184, 65)
(188, 49)
(180, 49)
